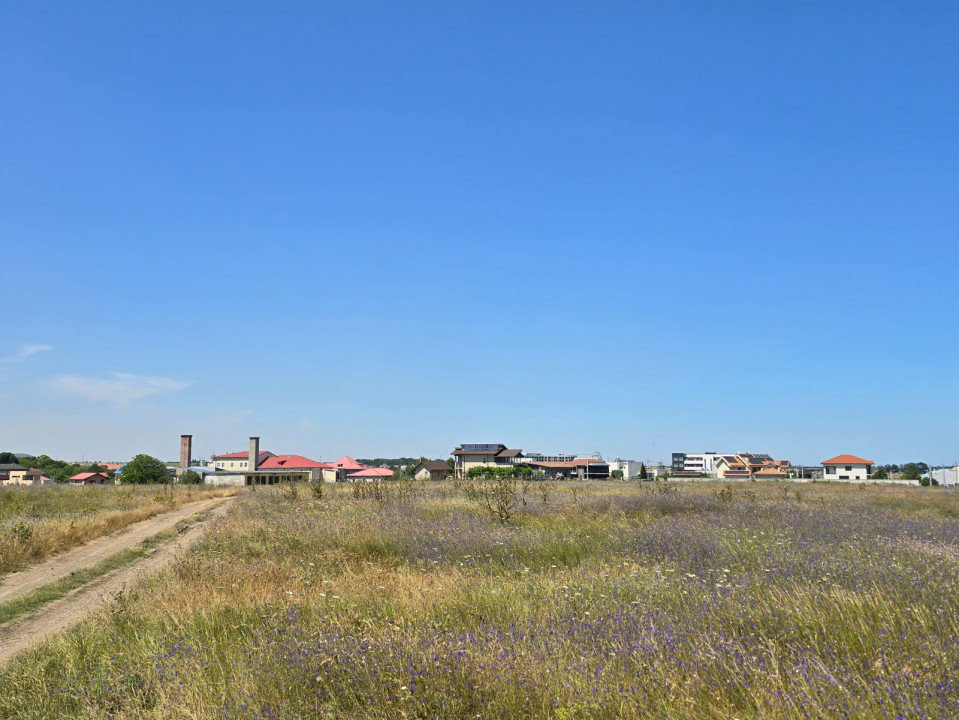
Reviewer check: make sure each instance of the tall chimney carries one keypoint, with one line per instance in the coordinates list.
(186, 451)
(254, 453)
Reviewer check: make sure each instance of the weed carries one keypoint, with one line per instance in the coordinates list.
(546, 488)
(290, 491)
(21, 532)
(499, 497)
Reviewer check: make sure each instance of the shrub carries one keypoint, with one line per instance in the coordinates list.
(191, 477)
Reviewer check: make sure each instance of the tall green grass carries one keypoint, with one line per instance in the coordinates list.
(609, 600)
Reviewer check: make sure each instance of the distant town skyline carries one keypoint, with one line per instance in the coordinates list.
(386, 229)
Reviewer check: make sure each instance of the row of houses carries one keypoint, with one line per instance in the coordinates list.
(470, 456)
(256, 467)
(262, 467)
(761, 466)
(16, 474)
(724, 466)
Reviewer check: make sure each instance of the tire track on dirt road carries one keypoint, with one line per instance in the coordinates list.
(95, 551)
(62, 614)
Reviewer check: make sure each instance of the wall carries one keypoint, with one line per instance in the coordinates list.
(225, 479)
(25, 477)
(231, 465)
(839, 473)
(465, 462)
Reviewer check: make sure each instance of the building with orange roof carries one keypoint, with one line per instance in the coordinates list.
(751, 466)
(847, 468)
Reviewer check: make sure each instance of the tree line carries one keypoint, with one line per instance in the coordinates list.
(142, 469)
(57, 470)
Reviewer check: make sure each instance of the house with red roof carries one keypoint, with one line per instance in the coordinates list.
(256, 467)
(847, 468)
(347, 465)
(274, 469)
(751, 466)
(89, 478)
(370, 475)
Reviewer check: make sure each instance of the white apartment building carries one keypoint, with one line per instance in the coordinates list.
(698, 463)
(629, 468)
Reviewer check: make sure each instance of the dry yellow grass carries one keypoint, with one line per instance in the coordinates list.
(36, 524)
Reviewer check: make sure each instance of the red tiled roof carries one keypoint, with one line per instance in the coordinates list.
(371, 472)
(348, 463)
(291, 462)
(242, 455)
(87, 476)
(847, 460)
(586, 461)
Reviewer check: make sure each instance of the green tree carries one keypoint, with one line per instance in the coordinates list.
(880, 474)
(617, 474)
(190, 477)
(911, 472)
(7, 458)
(643, 473)
(144, 469)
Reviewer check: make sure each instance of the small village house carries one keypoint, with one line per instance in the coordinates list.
(751, 466)
(432, 470)
(6, 469)
(847, 468)
(89, 478)
(470, 455)
(26, 476)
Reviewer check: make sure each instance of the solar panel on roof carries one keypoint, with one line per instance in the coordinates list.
(480, 447)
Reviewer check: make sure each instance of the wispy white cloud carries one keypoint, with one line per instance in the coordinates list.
(26, 351)
(122, 388)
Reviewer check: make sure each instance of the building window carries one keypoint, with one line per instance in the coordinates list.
(848, 468)
(830, 470)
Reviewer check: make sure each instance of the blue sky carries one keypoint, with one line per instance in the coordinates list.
(386, 228)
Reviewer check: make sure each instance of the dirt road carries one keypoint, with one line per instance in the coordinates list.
(61, 614)
(94, 551)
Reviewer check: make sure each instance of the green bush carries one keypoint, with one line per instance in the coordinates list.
(191, 477)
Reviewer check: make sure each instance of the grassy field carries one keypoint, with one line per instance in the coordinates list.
(37, 522)
(594, 600)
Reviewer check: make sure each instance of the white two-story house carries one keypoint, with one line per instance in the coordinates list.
(847, 468)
